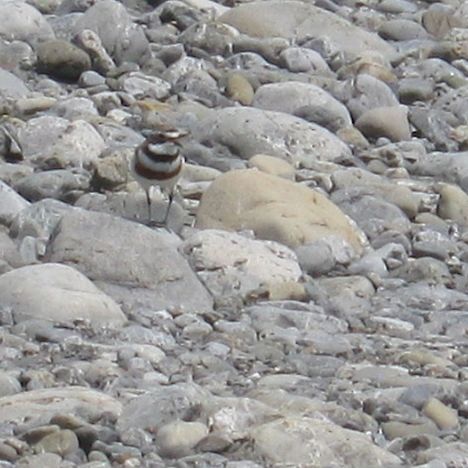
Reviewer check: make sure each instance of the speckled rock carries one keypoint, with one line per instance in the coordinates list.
(247, 131)
(222, 258)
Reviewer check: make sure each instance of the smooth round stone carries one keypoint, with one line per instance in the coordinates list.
(305, 100)
(250, 199)
(32, 105)
(91, 78)
(396, 429)
(11, 203)
(397, 6)
(453, 203)
(239, 89)
(62, 59)
(60, 184)
(301, 59)
(45, 292)
(9, 385)
(389, 122)
(24, 23)
(415, 89)
(402, 30)
(177, 438)
(11, 86)
(446, 418)
(272, 165)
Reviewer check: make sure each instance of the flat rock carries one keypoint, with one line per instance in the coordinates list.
(11, 203)
(304, 100)
(274, 208)
(221, 258)
(249, 131)
(42, 404)
(11, 86)
(316, 442)
(57, 293)
(147, 272)
(56, 143)
(297, 20)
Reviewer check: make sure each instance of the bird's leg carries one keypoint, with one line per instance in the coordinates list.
(171, 198)
(148, 199)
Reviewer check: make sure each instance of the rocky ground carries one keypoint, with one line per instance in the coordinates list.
(307, 305)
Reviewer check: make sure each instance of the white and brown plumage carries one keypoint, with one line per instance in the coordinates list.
(158, 162)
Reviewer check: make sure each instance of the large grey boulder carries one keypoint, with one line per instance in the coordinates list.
(137, 266)
(123, 40)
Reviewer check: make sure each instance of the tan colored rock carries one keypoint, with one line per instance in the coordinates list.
(445, 417)
(239, 89)
(272, 165)
(453, 203)
(274, 208)
(389, 121)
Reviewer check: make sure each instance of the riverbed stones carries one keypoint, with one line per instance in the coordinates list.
(273, 208)
(318, 317)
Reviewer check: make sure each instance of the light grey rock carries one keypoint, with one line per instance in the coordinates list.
(313, 441)
(57, 293)
(25, 23)
(304, 100)
(74, 108)
(248, 131)
(184, 66)
(15, 54)
(177, 438)
(123, 40)
(402, 30)
(369, 93)
(389, 122)
(164, 404)
(301, 59)
(161, 277)
(213, 37)
(62, 184)
(90, 42)
(141, 86)
(323, 255)
(53, 142)
(221, 259)
(9, 385)
(45, 403)
(11, 203)
(38, 219)
(11, 86)
(296, 20)
(372, 214)
(62, 59)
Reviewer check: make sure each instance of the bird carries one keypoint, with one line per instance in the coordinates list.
(158, 162)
